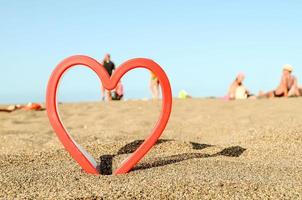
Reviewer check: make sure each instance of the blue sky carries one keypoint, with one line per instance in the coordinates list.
(201, 44)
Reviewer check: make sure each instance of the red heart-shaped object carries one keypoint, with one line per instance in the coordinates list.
(85, 160)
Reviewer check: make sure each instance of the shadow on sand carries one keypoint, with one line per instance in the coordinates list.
(105, 167)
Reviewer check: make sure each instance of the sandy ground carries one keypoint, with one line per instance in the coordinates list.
(211, 149)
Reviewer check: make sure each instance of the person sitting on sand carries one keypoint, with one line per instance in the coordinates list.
(288, 85)
(237, 90)
(118, 92)
(29, 106)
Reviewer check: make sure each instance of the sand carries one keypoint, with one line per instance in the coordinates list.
(211, 149)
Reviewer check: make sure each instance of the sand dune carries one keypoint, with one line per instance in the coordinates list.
(211, 149)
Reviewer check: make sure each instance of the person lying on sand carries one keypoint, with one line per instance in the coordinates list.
(29, 106)
(237, 90)
(288, 85)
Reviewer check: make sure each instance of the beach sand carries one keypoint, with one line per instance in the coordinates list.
(211, 149)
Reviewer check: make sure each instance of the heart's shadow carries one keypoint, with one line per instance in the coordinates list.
(105, 166)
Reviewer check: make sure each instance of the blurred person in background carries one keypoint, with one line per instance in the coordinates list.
(154, 86)
(288, 86)
(237, 90)
(110, 67)
(118, 92)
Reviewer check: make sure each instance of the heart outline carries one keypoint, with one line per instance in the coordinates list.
(79, 154)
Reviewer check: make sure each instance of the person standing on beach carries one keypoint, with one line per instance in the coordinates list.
(154, 86)
(288, 85)
(110, 67)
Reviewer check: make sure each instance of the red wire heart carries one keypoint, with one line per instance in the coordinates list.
(84, 159)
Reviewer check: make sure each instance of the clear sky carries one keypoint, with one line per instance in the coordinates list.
(201, 44)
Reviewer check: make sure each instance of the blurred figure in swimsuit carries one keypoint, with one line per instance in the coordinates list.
(118, 92)
(154, 86)
(237, 90)
(287, 87)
